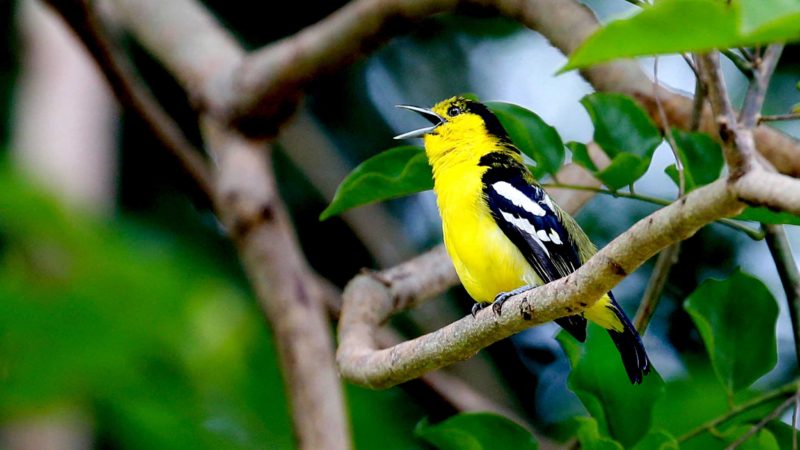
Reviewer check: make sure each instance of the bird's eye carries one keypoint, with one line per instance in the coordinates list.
(453, 111)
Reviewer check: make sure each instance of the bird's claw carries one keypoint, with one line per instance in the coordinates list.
(497, 305)
(477, 307)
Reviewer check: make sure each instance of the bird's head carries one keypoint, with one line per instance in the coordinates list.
(457, 123)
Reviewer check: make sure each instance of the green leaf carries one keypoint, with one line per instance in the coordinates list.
(532, 135)
(623, 411)
(657, 440)
(621, 125)
(624, 170)
(590, 438)
(668, 26)
(394, 173)
(580, 156)
(476, 431)
(690, 401)
(770, 20)
(783, 433)
(701, 157)
(625, 133)
(736, 319)
(766, 215)
(673, 26)
(762, 440)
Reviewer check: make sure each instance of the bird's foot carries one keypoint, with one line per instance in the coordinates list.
(477, 307)
(497, 305)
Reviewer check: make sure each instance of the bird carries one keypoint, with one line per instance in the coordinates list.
(503, 232)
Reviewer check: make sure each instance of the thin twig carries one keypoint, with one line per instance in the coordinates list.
(753, 234)
(763, 422)
(652, 294)
(131, 91)
(766, 397)
(669, 256)
(794, 421)
(691, 64)
(742, 64)
(781, 251)
(697, 104)
(748, 55)
(668, 133)
(757, 89)
(777, 117)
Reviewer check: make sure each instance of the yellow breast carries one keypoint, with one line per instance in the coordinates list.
(486, 261)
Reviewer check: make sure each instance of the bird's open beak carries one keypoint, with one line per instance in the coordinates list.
(432, 117)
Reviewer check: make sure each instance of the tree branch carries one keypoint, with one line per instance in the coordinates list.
(652, 294)
(766, 397)
(763, 422)
(738, 155)
(257, 91)
(247, 202)
(369, 300)
(752, 183)
(130, 90)
(781, 251)
(757, 90)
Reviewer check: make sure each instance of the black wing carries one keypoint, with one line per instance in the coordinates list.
(529, 219)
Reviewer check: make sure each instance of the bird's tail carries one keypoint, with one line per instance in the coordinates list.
(629, 345)
(608, 314)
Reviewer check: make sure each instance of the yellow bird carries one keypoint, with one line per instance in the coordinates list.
(501, 229)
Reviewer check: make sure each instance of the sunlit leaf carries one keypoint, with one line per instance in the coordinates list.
(390, 174)
(476, 431)
(736, 319)
(623, 411)
(668, 26)
(770, 20)
(532, 135)
(673, 26)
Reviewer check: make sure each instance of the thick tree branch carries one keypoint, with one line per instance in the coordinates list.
(257, 91)
(130, 90)
(369, 300)
(247, 202)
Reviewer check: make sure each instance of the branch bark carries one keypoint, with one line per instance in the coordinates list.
(369, 300)
(130, 90)
(257, 91)
(247, 202)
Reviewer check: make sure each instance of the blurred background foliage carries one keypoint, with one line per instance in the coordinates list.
(143, 321)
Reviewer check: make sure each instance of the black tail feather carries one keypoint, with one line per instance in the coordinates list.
(575, 325)
(630, 347)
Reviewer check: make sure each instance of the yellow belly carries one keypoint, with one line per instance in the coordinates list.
(486, 261)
